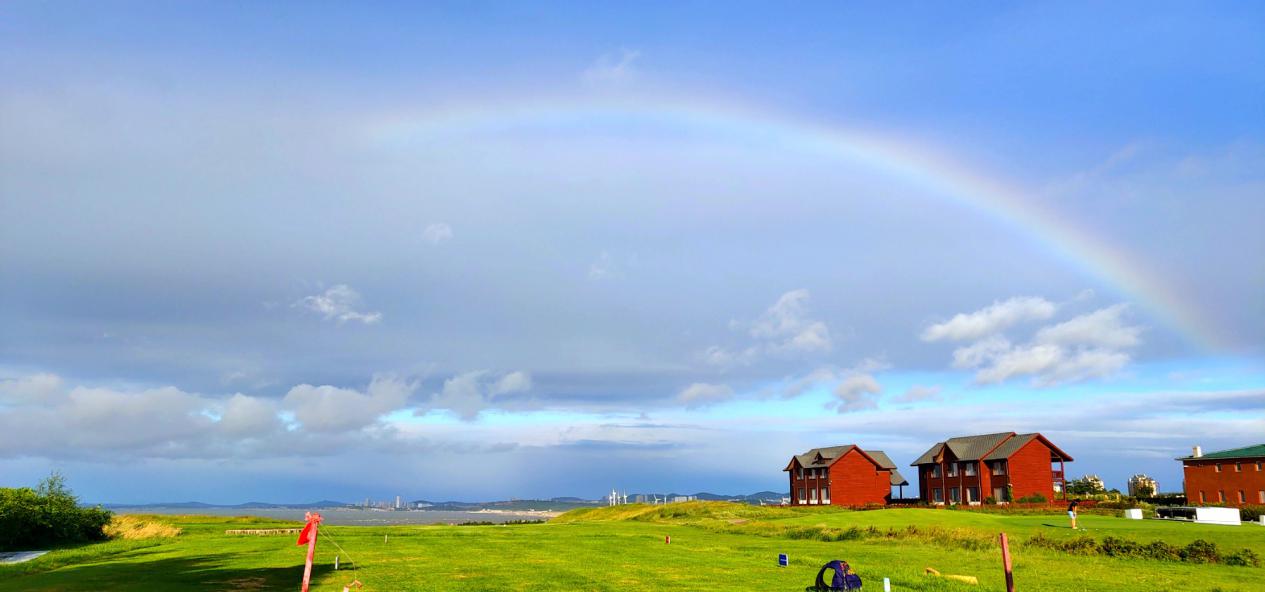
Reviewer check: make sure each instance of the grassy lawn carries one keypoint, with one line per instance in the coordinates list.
(621, 549)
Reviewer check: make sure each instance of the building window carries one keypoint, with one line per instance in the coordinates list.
(1238, 467)
(1221, 496)
(1203, 499)
(825, 473)
(801, 495)
(972, 495)
(1217, 467)
(812, 495)
(1242, 497)
(825, 495)
(799, 473)
(1260, 496)
(1258, 465)
(937, 496)
(953, 495)
(999, 467)
(953, 469)
(935, 471)
(968, 469)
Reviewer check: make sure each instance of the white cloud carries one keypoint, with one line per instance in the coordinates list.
(990, 320)
(245, 416)
(918, 393)
(1103, 327)
(783, 329)
(1093, 345)
(612, 69)
(854, 389)
(701, 394)
(469, 393)
(604, 268)
(437, 233)
(332, 409)
(338, 303)
(856, 392)
(514, 382)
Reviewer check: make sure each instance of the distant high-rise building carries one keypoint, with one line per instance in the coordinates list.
(1142, 486)
(397, 502)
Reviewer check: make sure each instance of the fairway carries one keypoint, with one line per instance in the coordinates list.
(713, 546)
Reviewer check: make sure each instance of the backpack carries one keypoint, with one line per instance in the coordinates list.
(843, 578)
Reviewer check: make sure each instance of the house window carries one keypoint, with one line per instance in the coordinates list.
(953, 495)
(1238, 467)
(825, 495)
(935, 471)
(801, 495)
(812, 495)
(953, 469)
(1221, 496)
(938, 496)
(799, 473)
(972, 495)
(1258, 465)
(825, 473)
(1203, 499)
(1260, 496)
(999, 467)
(1242, 497)
(1217, 467)
(968, 469)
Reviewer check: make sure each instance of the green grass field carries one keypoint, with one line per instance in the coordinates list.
(714, 546)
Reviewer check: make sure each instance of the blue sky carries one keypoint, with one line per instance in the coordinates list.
(283, 252)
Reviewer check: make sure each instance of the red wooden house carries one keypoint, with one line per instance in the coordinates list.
(1232, 477)
(967, 469)
(842, 476)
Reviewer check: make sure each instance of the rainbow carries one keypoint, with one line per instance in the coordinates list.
(903, 160)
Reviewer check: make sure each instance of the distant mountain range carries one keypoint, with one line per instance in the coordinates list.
(245, 506)
(552, 504)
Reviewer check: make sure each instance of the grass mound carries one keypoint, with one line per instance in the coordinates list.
(140, 527)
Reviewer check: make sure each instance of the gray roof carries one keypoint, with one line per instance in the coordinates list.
(881, 458)
(1010, 447)
(829, 454)
(965, 447)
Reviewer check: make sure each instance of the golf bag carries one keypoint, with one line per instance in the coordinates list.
(842, 578)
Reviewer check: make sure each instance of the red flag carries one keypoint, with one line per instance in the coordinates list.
(306, 534)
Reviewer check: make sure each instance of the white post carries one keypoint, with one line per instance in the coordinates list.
(887, 585)
(335, 563)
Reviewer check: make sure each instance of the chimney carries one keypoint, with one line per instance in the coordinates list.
(1198, 452)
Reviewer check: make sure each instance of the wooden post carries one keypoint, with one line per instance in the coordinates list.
(313, 522)
(1005, 560)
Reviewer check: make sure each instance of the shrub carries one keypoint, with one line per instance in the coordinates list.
(1035, 498)
(46, 516)
(1243, 557)
(1200, 551)
(1251, 512)
(990, 501)
(1118, 547)
(1162, 551)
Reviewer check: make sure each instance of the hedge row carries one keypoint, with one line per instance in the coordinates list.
(1198, 551)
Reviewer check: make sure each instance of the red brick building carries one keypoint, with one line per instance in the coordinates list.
(842, 476)
(1232, 477)
(967, 469)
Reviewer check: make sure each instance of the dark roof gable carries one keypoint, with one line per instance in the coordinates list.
(985, 447)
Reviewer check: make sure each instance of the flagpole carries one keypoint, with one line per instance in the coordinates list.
(313, 520)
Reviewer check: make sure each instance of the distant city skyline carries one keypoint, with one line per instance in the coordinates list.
(495, 250)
